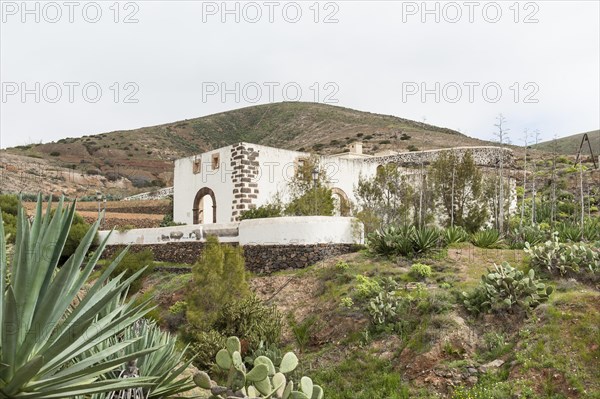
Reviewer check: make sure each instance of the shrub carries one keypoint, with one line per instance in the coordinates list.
(504, 288)
(133, 262)
(486, 238)
(204, 348)
(265, 211)
(55, 154)
(347, 302)
(342, 266)
(366, 287)
(412, 148)
(251, 320)
(221, 275)
(303, 331)
(420, 271)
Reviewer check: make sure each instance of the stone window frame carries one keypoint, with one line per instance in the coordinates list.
(215, 161)
(197, 166)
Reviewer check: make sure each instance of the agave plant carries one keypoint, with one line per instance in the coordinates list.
(425, 239)
(166, 363)
(47, 326)
(569, 232)
(455, 234)
(486, 238)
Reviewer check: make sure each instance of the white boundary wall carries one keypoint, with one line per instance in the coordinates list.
(297, 230)
(301, 230)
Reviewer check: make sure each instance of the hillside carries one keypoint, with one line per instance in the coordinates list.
(570, 145)
(144, 155)
(438, 350)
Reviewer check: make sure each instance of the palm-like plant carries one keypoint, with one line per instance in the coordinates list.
(46, 326)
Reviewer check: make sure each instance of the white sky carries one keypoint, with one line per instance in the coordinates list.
(377, 57)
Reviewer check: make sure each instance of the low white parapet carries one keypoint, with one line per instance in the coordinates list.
(293, 230)
(227, 232)
(301, 230)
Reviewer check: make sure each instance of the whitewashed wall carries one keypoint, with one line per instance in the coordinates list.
(301, 230)
(272, 231)
(187, 184)
(227, 232)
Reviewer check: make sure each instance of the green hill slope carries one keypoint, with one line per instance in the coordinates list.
(144, 155)
(570, 145)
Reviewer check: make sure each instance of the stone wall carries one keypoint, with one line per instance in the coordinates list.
(272, 258)
(261, 259)
(152, 195)
(176, 252)
(483, 156)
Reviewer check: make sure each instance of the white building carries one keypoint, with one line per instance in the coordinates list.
(217, 186)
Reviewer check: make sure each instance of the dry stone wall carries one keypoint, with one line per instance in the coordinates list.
(261, 259)
(483, 156)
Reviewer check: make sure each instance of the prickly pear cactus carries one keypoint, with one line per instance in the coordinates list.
(504, 287)
(264, 380)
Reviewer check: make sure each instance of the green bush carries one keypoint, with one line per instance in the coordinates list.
(265, 211)
(303, 331)
(420, 271)
(218, 278)
(366, 287)
(133, 262)
(9, 204)
(251, 320)
(505, 288)
(204, 348)
(486, 238)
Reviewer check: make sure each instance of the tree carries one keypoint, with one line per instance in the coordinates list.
(459, 186)
(384, 199)
(310, 197)
(218, 277)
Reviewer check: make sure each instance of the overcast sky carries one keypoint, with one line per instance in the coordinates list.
(91, 67)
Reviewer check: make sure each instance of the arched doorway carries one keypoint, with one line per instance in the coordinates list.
(202, 208)
(341, 203)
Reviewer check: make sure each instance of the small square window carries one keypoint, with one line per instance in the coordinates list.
(197, 166)
(215, 161)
